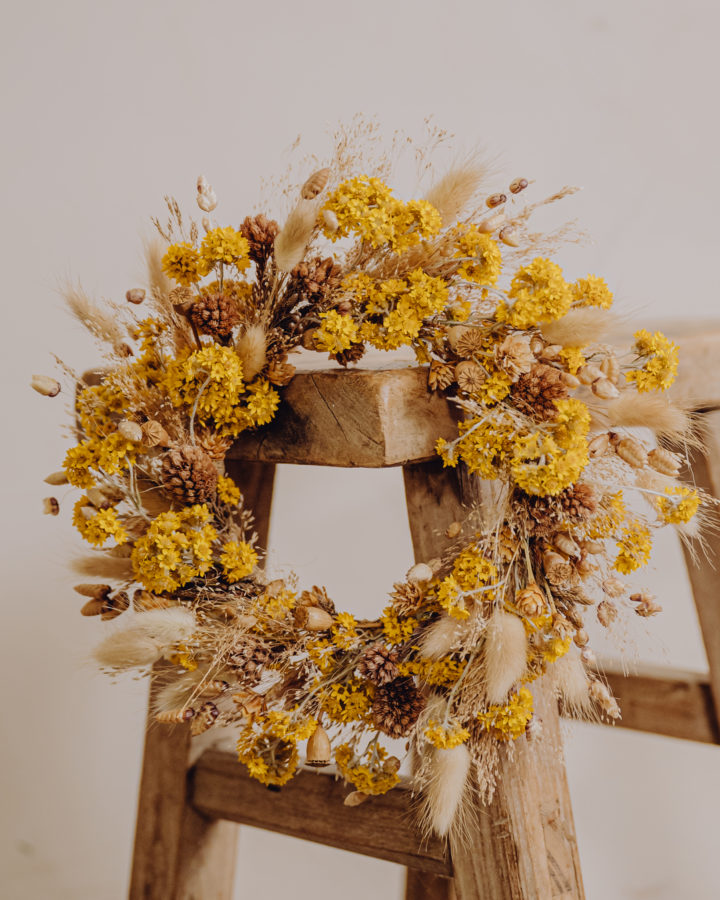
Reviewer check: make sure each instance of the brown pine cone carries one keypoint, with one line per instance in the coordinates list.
(572, 506)
(315, 278)
(216, 314)
(397, 706)
(318, 596)
(188, 474)
(213, 443)
(249, 659)
(379, 664)
(352, 355)
(535, 392)
(260, 233)
(406, 597)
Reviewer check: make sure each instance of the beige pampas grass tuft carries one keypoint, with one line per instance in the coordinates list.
(160, 284)
(176, 694)
(446, 785)
(441, 637)
(505, 656)
(100, 323)
(578, 327)
(294, 237)
(648, 410)
(144, 641)
(251, 347)
(453, 193)
(573, 687)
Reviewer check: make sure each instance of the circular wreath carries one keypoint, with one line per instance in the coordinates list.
(545, 408)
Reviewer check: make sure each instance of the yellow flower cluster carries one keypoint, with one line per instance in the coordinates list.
(276, 605)
(660, 368)
(445, 737)
(186, 265)
(592, 291)
(397, 629)
(540, 294)
(336, 332)
(268, 746)
(436, 672)
(238, 560)
(484, 445)
(347, 702)
(99, 527)
(181, 262)
(110, 455)
(680, 506)
(510, 721)
(366, 207)
(176, 548)
(483, 260)
(634, 546)
(572, 358)
(375, 775)
(228, 491)
(609, 517)
(472, 577)
(344, 632)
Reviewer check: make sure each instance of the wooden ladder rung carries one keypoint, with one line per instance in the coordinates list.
(311, 807)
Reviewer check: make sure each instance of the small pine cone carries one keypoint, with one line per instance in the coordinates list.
(260, 233)
(318, 596)
(379, 664)
(316, 278)
(406, 597)
(535, 392)
(396, 707)
(214, 444)
(572, 506)
(353, 354)
(215, 314)
(248, 660)
(188, 474)
(440, 376)
(280, 372)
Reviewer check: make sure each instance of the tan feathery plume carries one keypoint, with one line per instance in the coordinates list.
(160, 284)
(102, 566)
(251, 347)
(653, 411)
(443, 792)
(452, 194)
(573, 687)
(102, 325)
(143, 641)
(505, 656)
(579, 327)
(439, 639)
(294, 237)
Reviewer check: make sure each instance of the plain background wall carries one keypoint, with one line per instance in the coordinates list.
(106, 107)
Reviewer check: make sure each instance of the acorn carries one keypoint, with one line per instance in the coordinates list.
(319, 752)
(312, 618)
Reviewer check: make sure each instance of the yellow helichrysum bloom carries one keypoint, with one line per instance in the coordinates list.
(268, 745)
(228, 491)
(223, 245)
(347, 702)
(211, 376)
(238, 560)
(262, 401)
(661, 365)
(445, 737)
(679, 506)
(371, 773)
(592, 291)
(111, 454)
(436, 672)
(337, 332)
(540, 294)
(182, 263)
(634, 546)
(98, 528)
(397, 629)
(573, 359)
(344, 634)
(510, 721)
(483, 260)
(275, 605)
(176, 547)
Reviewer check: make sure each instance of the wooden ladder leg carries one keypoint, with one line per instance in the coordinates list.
(424, 886)
(522, 845)
(179, 853)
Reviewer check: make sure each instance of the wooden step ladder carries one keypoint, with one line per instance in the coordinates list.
(523, 845)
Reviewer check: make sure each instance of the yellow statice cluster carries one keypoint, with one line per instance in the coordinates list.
(336, 332)
(635, 546)
(484, 445)
(592, 291)
(101, 526)
(176, 548)
(228, 491)
(473, 577)
(397, 629)
(275, 604)
(679, 506)
(238, 559)
(481, 254)
(661, 361)
(187, 265)
(609, 517)
(539, 294)
(267, 746)
(434, 672)
(446, 736)
(509, 721)
(344, 632)
(367, 208)
(349, 701)
(372, 773)
(111, 455)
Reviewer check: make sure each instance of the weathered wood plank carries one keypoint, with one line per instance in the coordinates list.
(311, 807)
(522, 845)
(423, 886)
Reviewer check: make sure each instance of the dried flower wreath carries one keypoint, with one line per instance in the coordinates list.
(545, 412)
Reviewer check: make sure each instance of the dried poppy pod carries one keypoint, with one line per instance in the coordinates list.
(631, 451)
(51, 506)
(204, 718)
(312, 618)
(319, 751)
(606, 613)
(469, 376)
(599, 445)
(604, 389)
(175, 716)
(154, 435)
(557, 568)
(566, 545)
(45, 385)
(661, 460)
(315, 184)
(530, 601)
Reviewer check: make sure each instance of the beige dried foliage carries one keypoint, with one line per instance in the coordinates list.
(160, 284)
(101, 323)
(580, 326)
(454, 192)
(251, 347)
(294, 237)
(653, 411)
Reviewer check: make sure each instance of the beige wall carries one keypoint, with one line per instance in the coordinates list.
(106, 107)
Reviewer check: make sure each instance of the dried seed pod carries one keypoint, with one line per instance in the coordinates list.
(537, 344)
(585, 567)
(135, 295)
(93, 607)
(613, 587)
(570, 381)
(588, 374)
(581, 638)
(93, 590)
(131, 431)
(45, 385)
(631, 451)
(312, 618)
(517, 185)
(495, 200)
(249, 703)
(610, 368)
(588, 656)
(646, 605)
(606, 613)
(453, 530)
(469, 376)
(509, 236)
(204, 718)
(202, 184)
(419, 574)
(599, 445)
(487, 226)
(602, 696)
(557, 568)
(582, 598)
(315, 184)
(604, 389)
(530, 601)
(207, 200)
(561, 627)
(154, 435)
(661, 460)
(565, 544)
(355, 798)
(175, 716)
(57, 478)
(115, 605)
(213, 688)
(143, 600)
(330, 220)
(51, 507)
(550, 352)
(593, 547)
(319, 751)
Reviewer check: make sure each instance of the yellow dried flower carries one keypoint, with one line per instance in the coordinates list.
(509, 721)
(349, 701)
(592, 291)
(397, 629)
(371, 773)
(447, 736)
(336, 333)
(573, 359)
(223, 245)
(238, 560)
(437, 672)
(540, 294)
(634, 546)
(679, 506)
(228, 491)
(181, 262)
(660, 369)
(97, 529)
(482, 254)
